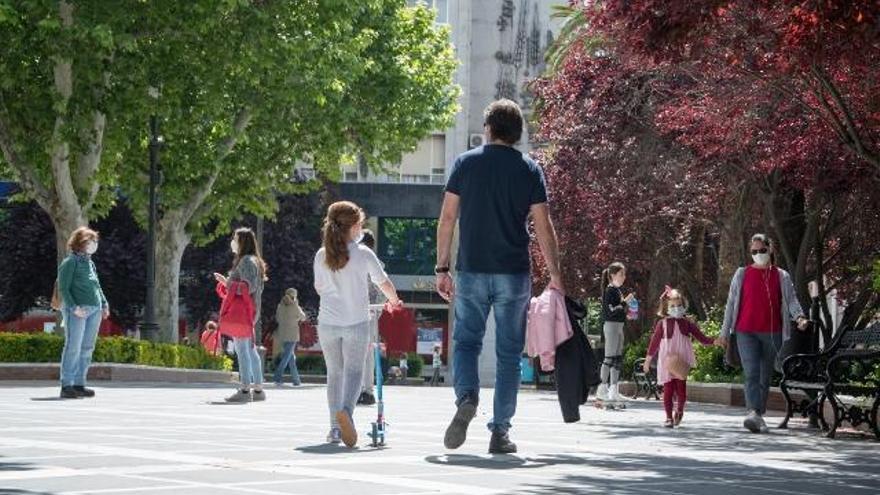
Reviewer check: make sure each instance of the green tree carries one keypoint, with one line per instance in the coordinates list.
(246, 90)
(57, 88)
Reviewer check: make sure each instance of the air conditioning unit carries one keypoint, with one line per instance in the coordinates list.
(476, 140)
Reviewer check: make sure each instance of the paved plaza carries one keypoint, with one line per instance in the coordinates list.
(180, 440)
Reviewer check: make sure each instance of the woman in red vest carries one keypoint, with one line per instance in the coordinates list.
(760, 307)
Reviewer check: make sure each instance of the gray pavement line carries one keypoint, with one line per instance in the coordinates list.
(180, 485)
(213, 416)
(77, 455)
(219, 462)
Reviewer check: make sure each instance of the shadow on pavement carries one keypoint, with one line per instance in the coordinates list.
(329, 448)
(15, 491)
(641, 474)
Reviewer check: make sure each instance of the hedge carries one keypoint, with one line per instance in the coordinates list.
(313, 364)
(46, 348)
(414, 364)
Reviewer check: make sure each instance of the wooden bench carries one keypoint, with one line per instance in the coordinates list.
(848, 367)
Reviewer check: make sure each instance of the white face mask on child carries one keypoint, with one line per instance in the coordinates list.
(676, 311)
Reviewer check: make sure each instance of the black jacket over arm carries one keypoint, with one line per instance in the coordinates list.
(577, 370)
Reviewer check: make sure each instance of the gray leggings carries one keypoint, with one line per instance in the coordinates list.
(345, 351)
(613, 331)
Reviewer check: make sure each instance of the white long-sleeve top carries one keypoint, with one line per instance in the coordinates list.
(345, 295)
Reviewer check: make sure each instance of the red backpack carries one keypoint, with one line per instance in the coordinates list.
(237, 311)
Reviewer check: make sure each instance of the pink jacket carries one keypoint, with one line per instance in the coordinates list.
(548, 327)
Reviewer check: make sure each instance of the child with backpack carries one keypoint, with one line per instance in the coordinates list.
(343, 268)
(671, 342)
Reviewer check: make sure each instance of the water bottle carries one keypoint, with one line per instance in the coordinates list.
(632, 309)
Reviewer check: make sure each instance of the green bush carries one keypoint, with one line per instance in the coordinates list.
(592, 323)
(414, 363)
(634, 351)
(311, 364)
(46, 348)
(710, 365)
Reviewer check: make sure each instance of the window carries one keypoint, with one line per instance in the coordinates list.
(408, 246)
(351, 177)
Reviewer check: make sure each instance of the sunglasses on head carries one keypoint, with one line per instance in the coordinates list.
(759, 251)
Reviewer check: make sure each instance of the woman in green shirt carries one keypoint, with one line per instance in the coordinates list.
(83, 306)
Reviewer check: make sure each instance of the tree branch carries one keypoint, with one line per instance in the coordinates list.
(856, 139)
(239, 125)
(90, 160)
(63, 71)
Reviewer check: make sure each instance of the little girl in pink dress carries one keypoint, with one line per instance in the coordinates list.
(672, 338)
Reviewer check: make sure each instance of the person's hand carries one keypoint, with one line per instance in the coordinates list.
(556, 283)
(79, 312)
(802, 323)
(629, 297)
(445, 286)
(721, 341)
(105, 313)
(219, 278)
(646, 367)
(395, 303)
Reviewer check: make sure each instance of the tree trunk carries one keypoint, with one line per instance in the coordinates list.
(171, 241)
(731, 246)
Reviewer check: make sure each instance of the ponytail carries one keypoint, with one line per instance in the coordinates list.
(341, 217)
(613, 269)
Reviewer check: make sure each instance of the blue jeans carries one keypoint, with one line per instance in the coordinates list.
(477, 294)
(758, 354)
(80, 335)
(285, 359)
(250, 368)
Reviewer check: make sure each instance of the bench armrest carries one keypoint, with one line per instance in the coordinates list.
(804, 368)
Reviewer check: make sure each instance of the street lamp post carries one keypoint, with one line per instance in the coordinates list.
(149, 328)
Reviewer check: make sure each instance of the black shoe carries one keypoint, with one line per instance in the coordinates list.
(69, 393)
(501, 444)
(361, 399)
(368, 399)
(83, 392)
(456, 433)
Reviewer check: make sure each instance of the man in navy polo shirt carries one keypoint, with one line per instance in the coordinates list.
(492, 191)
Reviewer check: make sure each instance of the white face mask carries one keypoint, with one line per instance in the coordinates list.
(676, 311)
(761, 259)
(91, 247)
(234, 246)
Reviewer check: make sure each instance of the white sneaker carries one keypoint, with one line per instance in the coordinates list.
(753, 421)
(602, 392)
(614, 393)
(334, 436)
(762, 426)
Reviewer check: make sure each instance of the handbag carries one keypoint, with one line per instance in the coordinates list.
(675, 364)
(56, 303)
(731, 353)
(677, 367)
